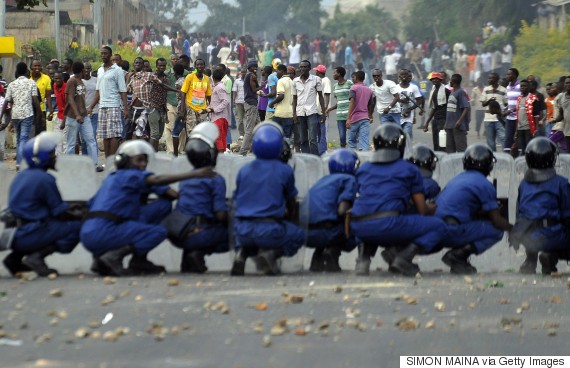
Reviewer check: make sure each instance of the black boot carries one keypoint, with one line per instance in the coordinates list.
(99, 268)
(267, 261)
(193, 262)
(529, 264)
(36, 261)
(365, 253)
(389, 254)
(238, 268)
(140, 265)
(317, 261)
(113, 260)
(331, 257)
(548, 261)
(458, 260)
(13, 263)
(403, 261)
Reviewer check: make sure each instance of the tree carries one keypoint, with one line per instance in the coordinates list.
(364, 23)
(170, 9)
(459, 20)
(272, 17)
(542, 52)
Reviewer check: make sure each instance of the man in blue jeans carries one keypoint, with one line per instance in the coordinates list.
(283, 114)
(387, 98)
(360, 109)
(306, 88)
(23, 93)
(76, 117)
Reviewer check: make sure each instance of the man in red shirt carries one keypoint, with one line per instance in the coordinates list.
(59, 87)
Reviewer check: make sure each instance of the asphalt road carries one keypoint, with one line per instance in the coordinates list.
(339, 320)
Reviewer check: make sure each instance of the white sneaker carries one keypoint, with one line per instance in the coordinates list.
(240, 138)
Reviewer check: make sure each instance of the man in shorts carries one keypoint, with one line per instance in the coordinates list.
(111, 94)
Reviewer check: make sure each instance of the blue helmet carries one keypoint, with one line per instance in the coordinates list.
(267, 141)
(343, 161)
(37, 150)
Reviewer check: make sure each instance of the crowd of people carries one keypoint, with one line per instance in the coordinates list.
(195, 102)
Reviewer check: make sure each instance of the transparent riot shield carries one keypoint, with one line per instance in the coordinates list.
(161, 163)
(437, 172)
(448, 166)
(563, 165)
(501, 179)
(6, 177)
(76, 178)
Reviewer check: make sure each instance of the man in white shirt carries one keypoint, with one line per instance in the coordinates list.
(166, 41)
(196, 49)
(390, 65)
(387, 98)
(306, 88)
(410, 99)
(327, 89)
(294, 53)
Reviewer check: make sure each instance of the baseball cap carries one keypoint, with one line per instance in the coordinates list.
(54, 61)
(436, 75)
(321, 68)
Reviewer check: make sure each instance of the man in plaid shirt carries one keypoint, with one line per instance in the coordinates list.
(149, 98)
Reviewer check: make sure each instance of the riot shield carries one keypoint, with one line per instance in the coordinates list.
(437, 172)
(76, 178)
(501, 179)
(448, 167)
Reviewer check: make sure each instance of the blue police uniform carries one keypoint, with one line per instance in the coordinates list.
(121, 195)
(550, 201)
(385, 188)
(36, 201)
(263, 186)
(201, 199)
(431, 189)
(326, 228)
(461, 201)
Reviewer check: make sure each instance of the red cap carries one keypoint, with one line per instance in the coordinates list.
(321, 68)
(436, 75)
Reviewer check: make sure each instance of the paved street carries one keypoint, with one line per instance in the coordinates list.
(306, 320)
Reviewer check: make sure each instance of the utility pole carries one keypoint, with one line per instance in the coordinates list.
(2, 17)
(243, 26)
(97, 22)
(57, 27)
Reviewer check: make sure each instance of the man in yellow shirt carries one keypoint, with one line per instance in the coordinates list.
(44, 86)
(196, 92)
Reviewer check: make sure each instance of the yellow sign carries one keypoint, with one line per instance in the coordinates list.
(9, 47)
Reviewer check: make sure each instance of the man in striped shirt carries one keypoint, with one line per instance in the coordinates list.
(494, 129)
(341, 92)
(513, 93)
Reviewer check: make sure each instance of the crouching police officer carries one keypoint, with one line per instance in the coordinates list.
(329, 200)
(386, 185)
(44, 222)
(120, 222)
(198, 225)
(265, 200)
(543, 209)
(468, 204)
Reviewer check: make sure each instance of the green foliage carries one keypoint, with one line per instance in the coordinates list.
(544, 53)
(170, 9)
(272, 17)
(46, 48)
(129, 54)
(496, 42)
(460, 20)
(363, 23)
